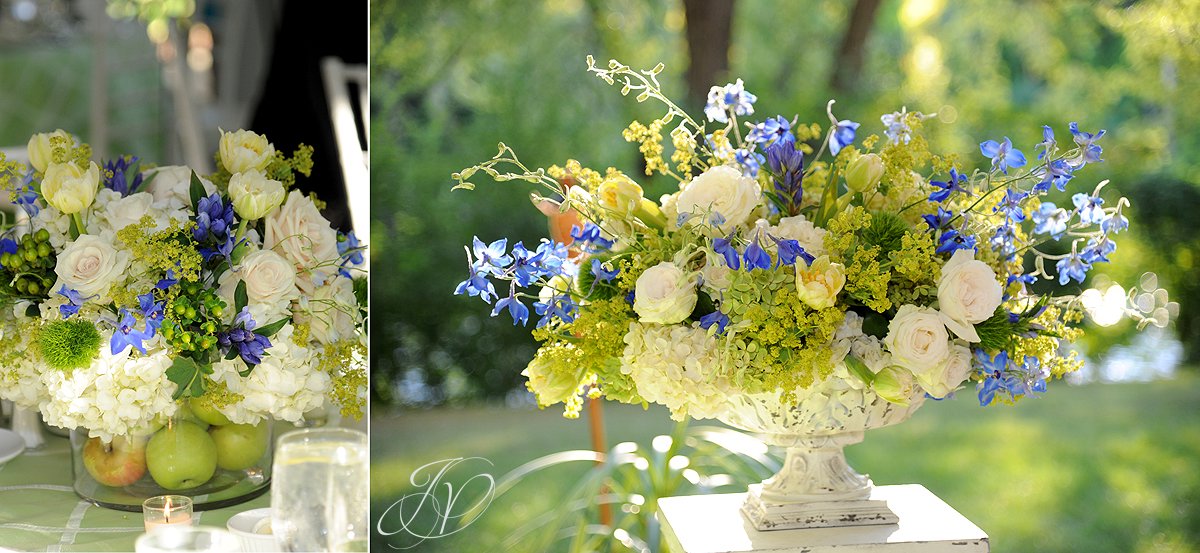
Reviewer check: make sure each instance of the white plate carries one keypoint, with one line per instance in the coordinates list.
(11, 445)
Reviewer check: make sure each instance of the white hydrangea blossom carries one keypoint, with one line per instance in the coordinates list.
(676, 366)
(117, 395)
(20, 380)
(284, 386)
(57, 224)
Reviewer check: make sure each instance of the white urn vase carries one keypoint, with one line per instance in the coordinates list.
(816, 488)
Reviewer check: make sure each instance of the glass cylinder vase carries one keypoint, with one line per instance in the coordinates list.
(216, 465)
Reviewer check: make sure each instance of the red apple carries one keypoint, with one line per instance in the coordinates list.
(116, 464)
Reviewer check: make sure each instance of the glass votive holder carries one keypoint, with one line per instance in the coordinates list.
(167, 510)
(206, 539)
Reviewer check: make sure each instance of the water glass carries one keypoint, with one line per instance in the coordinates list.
(187, 538)
(320, 491)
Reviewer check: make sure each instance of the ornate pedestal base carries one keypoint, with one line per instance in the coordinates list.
(924, 524)
(766, 515)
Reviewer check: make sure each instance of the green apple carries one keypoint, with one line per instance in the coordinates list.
(181, 456)
(185, 413)
(202, 408)
(239, 446)
(115, 464)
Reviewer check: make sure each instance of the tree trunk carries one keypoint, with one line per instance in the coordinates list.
(709, 32)
(848, 65)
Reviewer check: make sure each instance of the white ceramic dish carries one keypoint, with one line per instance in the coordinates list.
(11, 445)
(245, 526)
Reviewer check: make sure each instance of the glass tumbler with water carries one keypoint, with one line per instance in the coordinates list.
(320, 491)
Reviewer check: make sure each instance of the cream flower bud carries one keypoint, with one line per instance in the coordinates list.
(664, 294)
(620, 195)
(254, 195)
(244, 150)
(895, 384)
(549, 383)
(40, 150)
(69, 188)
(864, 173)
(819, 284)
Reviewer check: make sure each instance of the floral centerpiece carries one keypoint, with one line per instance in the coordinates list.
(800, 282)
(169, 318)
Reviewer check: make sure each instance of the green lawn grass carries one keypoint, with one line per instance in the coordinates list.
(1100, 467)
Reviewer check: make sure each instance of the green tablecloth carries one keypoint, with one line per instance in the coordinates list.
(40, 512)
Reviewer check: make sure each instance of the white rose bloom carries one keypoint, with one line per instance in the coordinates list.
(939, 380)
(270, 285)
(172, 185)
(91, 265)
(724, 190)
(968, 293)
(299, 231)
(284, 386)
(664, 294)
(69, 188)
(810, 236)
(676, 366)
(114, 396)
(819, 284)
(41, 155)
(244, 150)
(917, 338)
(332, 312)
(254, 195)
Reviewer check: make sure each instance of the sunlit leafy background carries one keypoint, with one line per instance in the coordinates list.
(451, 79)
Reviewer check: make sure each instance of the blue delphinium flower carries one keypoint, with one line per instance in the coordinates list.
(602, 274)
(491, 258)
(589, 238)
(1002, 154)
(773, 130)
(789, 251)
(938, 220)
(750, 161)
(350, 252)
(843, 135)
(74, 301)
(127, 334)
(1050, 219)
(153, 312)
(1010, 206)
(1114, 223)
(241, 336)
(1032, 377)
(732, 96)
(556, 259)
(516, 309)
(997, 377)
(953, 240)
(1004, 240)
(477, 284)
(897, 130)
(725, 248)
(1058, 173)
(1098, 250)
(1089, 208)
(121, 169)
(1047, 144)
(8, 245)
(558, 307)
(25, 196)
(1072, 267)
(167, 280)
(945, 189)
(1089, 151)
(525, 265)
(716, 317)
(755, 256)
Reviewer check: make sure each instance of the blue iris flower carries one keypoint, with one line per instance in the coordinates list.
(1089, 208)
(772, 131)
(938, 220)
(843, 135)
(953, 240)
(516, 309)
(725, 247)
(1089, 151)
(74, 301)
(127, 334)
(603, 274)
(1002, 154)
(559, 307)
(945, 189)
(1072, 267)
(716, 317)
(1049, 219)
(120, 181)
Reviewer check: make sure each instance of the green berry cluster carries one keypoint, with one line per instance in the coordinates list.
(29, 272)
(193, 318)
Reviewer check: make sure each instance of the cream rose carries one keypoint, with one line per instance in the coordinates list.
(302, 235)
(41, 151)
(620, 195)
(942, 379)
(254, 195)
(122, 212)
(270, 279)
(968, 293)
(819, 284)
(724, 190)
(172, 184)
(70, 188)
(810, 236)
(664, 294)
(91, 265)
(244, 150)
(917, 338)
(333, 311)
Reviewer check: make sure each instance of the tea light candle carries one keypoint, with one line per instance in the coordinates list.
(167, 510)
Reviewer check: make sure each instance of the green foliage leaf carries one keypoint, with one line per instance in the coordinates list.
(859, 369)
(271, 329)
(240, 298)
(188, 377)
(196, 190)
(828, 206)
